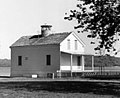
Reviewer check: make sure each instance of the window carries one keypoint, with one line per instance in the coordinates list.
(78, 60)
(68, 43)
(19, 60)
(48, 59)
(76, 45)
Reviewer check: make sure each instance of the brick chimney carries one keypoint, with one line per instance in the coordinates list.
(45, 30)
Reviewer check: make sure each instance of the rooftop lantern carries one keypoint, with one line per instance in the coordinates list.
(45, 30)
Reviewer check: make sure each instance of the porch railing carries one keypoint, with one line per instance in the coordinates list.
(68, 68)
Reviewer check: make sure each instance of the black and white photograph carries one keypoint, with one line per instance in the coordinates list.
(59, 48)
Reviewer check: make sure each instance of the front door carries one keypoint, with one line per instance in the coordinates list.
(79, 61)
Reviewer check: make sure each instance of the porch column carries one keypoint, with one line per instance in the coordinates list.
(60, 67)
(71, 61)
(92, 63)
(83, 63)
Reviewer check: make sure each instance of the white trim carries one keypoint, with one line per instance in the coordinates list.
(65, 68)
(65, 38)
(78, 38)
(74, 68)
(75, 53)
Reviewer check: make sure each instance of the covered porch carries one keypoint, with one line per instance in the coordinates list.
(74, 63)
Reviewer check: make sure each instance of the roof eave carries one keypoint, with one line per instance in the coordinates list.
(35, 45)
(79, 39)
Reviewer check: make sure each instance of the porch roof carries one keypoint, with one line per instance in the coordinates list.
(76, 53)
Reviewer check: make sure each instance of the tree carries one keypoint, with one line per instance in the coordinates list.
(101, 18)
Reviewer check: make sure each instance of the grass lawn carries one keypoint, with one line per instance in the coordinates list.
(59, 90)
(44, 94)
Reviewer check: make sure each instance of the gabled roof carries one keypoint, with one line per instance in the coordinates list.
(79, 39)
(56, 38)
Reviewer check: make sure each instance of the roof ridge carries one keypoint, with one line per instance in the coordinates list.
(48, 35)
(51, 35)
(61, 33)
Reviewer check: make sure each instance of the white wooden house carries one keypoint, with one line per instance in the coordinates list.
(47, 53)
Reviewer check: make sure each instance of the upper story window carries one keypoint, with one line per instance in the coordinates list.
(68, 44)
(76, 45)
(19, 60)
(48, 60)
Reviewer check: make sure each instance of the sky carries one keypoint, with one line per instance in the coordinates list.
(23, 17)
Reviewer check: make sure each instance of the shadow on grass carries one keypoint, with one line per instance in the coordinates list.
(66, 87)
